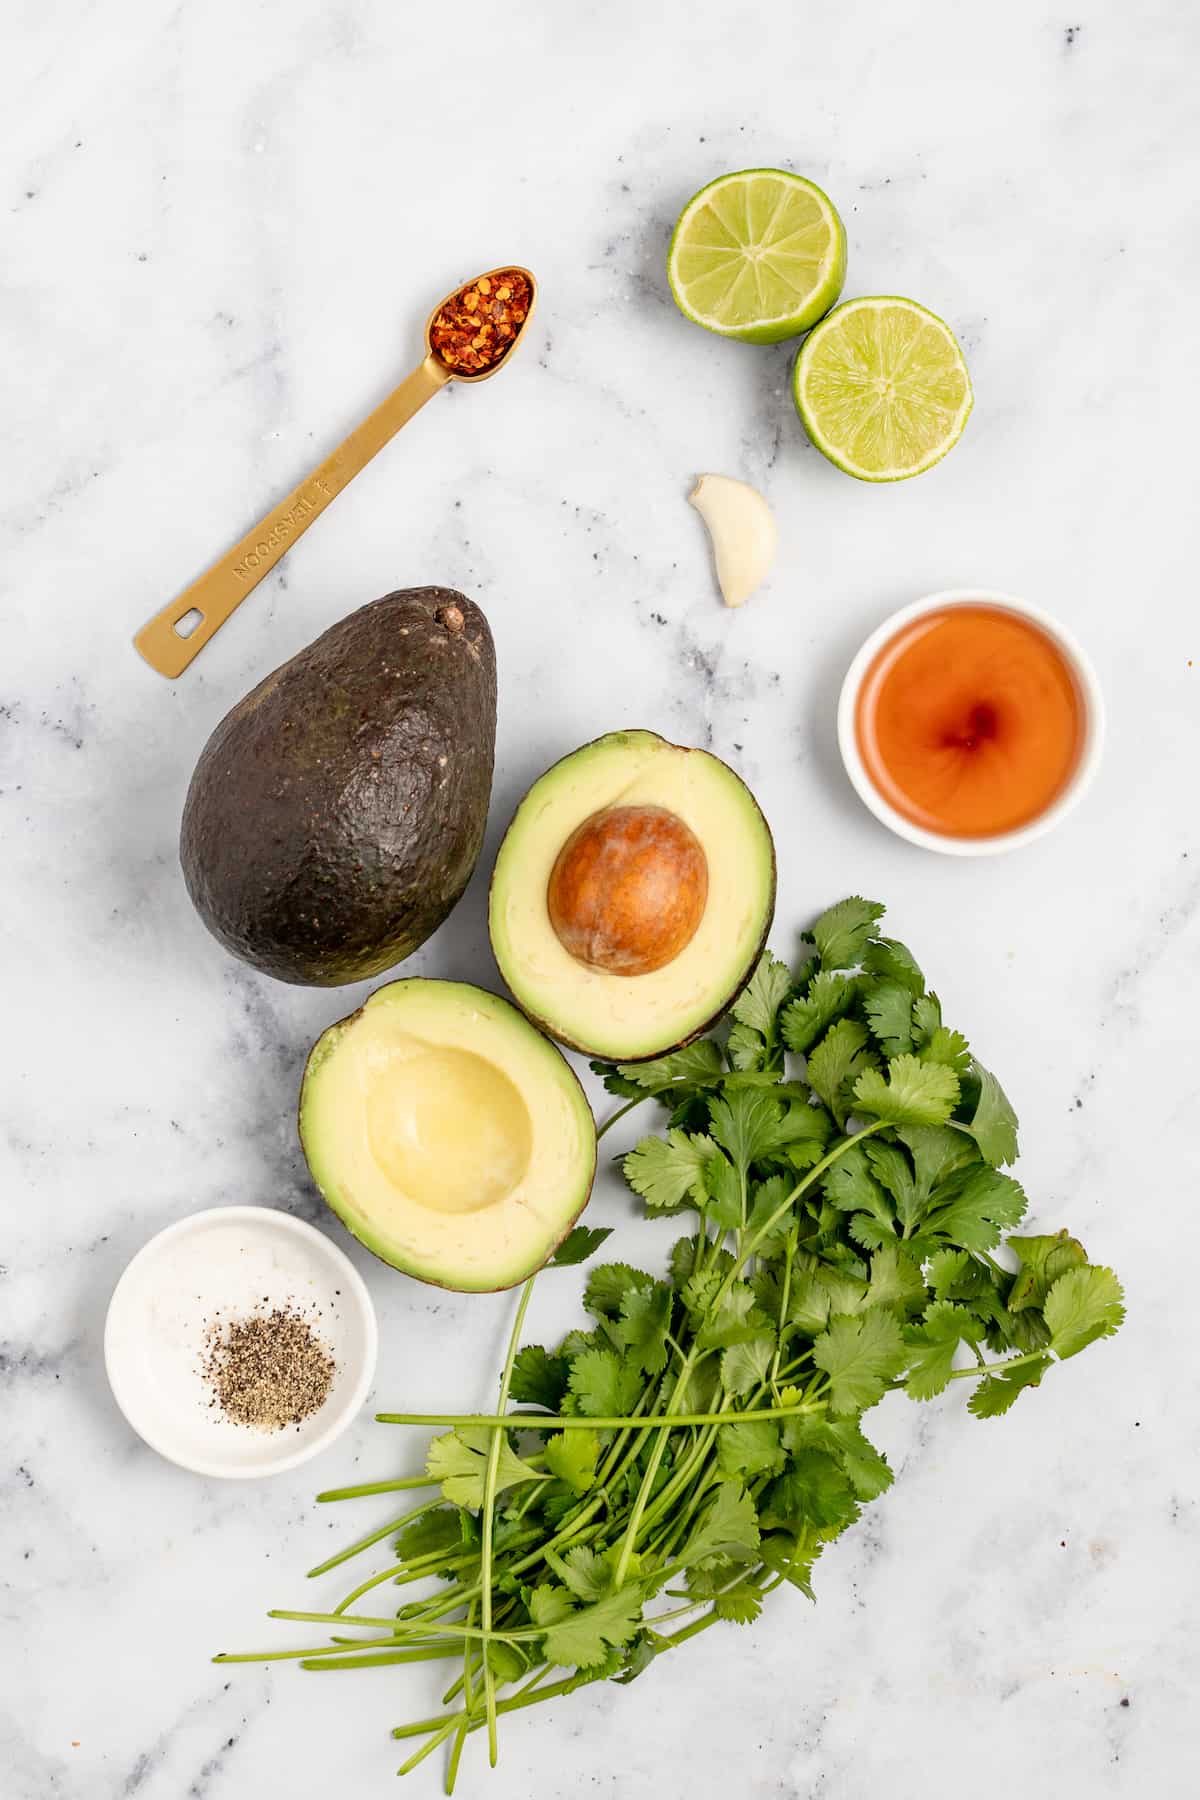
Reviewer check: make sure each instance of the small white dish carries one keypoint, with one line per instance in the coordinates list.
(232, 1260)
(1089, 755)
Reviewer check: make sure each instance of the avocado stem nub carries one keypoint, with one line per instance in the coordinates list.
(451, 618)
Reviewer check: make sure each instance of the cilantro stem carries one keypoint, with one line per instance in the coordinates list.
(620, 1114)
(460, 1739)
(242, 1656)
(378, 1658)
(996, 1368)
(372, 1537)
(418, 1756)
(377, 1487)
(365, 1587)
(489, 1507)
(578, 1422)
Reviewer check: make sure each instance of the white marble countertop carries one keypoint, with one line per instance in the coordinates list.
(223, 226)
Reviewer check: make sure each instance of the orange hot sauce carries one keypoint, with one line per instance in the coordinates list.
(970, 721)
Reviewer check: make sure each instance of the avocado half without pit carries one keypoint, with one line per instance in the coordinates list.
(448, 1134)
(632, 896)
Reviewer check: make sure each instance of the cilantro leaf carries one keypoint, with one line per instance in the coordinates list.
(696, 1065)
(669, 1172)
(724, 1193)
(933, 1041)
(727, 1527)
(607, 1286)
(578, 1245)
(821, 1293)
(993, 1123)
(860, 1355)
(938, 1152)
(769, 1197)
(826, 998)
(605, 1385)
(866, 1468)
(888, 1006)
(996, 1393)
(841, 933)
(435, 1531)
(745, 1048)
(572, 1457)
(745, 1122)
(814, 1489)
(1083, 1305)
(585, 1573)
(804, 1133)
(549, 1604)
(682, 1260)
(851, 1187)
(1043, 1260)
(458, 1459)
(744, 1366)
(982, 1203)
(914, 1093)
(582, 1638)
(894, 1172)
(836, 1062)
(894, 961)
(896, 1280)
(735, 1320)
(538, 1378)
(741, 1604)
(760, 1000)
(933, 1343)
(748, 1448)
(645, 1322)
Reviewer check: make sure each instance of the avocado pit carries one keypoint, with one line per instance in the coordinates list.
(628, 889)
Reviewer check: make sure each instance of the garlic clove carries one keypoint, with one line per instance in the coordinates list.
(742, 530)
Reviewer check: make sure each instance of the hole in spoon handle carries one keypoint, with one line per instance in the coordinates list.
(221, 589)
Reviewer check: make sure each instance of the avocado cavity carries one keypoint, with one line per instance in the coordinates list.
(448, 1135)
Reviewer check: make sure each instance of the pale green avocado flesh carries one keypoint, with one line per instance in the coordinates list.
(449, 1136)
(628, 1018)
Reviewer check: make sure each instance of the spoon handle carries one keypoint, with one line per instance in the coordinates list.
(216, 593)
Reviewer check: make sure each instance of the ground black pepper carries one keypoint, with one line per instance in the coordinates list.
(267, 1371)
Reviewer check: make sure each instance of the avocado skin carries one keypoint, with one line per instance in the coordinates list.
(336, 813)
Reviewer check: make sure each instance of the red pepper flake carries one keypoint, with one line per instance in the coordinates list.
(477, 328)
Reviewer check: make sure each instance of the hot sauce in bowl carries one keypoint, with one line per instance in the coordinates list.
(969, 722)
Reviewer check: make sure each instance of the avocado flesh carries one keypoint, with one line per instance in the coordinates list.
(625, 1018)
(447, 1134)
(336, 813)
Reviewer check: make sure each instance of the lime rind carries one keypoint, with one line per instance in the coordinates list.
(836, 387)
(758, 255)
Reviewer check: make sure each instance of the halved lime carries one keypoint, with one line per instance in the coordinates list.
(882, 388)
(759, 255)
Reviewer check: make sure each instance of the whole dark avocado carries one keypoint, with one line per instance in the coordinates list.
(335, 815)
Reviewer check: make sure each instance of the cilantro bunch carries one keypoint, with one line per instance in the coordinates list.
(840, 1154)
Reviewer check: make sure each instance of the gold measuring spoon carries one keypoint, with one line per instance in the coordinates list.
(468, 336)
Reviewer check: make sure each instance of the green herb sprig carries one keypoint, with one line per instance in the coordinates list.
(699, 1441)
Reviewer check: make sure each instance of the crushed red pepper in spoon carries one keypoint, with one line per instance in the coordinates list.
(478, 326)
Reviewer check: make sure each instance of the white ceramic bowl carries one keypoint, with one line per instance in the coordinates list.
(1089, 755)
(237, 1259)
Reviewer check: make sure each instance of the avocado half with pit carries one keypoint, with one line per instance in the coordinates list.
(449, 1136)
(632, 896)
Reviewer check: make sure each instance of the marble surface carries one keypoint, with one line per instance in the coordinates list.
(222, 227)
